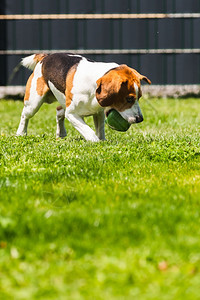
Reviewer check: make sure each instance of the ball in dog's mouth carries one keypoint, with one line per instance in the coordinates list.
(116, 121)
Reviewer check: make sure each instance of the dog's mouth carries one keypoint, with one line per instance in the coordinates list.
(108, 112)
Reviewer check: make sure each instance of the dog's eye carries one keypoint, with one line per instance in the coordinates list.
(130, 99)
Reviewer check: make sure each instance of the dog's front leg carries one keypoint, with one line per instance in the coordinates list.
(82, 127)
(99, 122)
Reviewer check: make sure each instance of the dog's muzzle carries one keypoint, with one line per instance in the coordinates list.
(135, 119)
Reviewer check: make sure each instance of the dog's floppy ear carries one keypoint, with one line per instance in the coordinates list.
(145, 79)
(108, 87)
(141, 77)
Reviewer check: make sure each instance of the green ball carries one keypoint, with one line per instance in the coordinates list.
(116, 121)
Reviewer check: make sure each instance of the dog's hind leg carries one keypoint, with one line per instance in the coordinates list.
(36, 90)
(60, 120)
(28, 112)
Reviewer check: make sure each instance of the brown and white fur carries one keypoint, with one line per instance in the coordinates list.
(83, 88)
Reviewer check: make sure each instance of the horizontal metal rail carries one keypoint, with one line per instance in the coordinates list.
(97, 16)
(104, 51)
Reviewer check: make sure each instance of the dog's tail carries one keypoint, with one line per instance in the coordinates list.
(31, 61)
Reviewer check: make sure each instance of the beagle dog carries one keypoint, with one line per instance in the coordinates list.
(83, 88)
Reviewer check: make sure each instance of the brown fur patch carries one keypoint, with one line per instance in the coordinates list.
(69, 85)
(41, 86)
(28, 87)
(59, 107)
(40, 56)
(55, 68)
(116, 85)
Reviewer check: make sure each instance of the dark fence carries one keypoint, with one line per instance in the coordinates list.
(160, 38)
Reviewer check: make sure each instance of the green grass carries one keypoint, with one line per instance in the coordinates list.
(113, 220)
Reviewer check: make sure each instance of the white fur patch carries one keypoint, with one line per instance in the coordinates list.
(136, 89)
(59, 96)
(29, 62)
(37, 74)
(76, 55)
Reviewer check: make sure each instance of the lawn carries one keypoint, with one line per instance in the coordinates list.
(114, 220)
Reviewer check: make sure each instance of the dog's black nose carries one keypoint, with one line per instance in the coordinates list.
(139, 119)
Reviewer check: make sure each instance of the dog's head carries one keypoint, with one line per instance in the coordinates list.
(120, 89)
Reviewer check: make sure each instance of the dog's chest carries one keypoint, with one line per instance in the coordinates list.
(84, 105)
